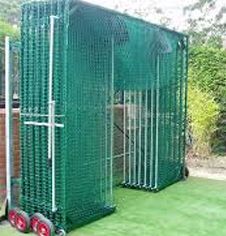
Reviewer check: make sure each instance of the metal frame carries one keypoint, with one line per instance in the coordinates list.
(140, 138)
(112, 116)
(145, 158)
(51, 118)
(124, 137)
(135, 139)
(130, 134)
(157, 124)
(145, 138)
(152, 136)
(8, 122)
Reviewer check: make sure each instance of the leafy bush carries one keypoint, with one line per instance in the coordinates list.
(203, 113)
(7, 30)
(208, 73)
(13, 32)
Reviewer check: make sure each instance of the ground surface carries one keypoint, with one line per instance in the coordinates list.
(195, 207)
(211, 168)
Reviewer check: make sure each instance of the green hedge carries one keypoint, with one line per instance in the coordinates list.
(203, 114)
(7, 30)
(207, 74)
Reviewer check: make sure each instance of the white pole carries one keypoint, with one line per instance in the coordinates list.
(34, 123)
(145, 138)
(112, 118)
(124, 138)
(53, 159)
(140, 132)
(106, 144)
(135, 139)
(129, 116)
(51, 115)
(152, 131)
(157, 128)
(51, 51)
(8, 121)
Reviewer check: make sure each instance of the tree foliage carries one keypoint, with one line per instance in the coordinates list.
(7, 30)
(206, 22)
(13, 32)
(203, 113)
(10, 11)
(207, 73)
(147, 10)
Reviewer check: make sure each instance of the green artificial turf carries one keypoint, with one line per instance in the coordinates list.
(196, 207)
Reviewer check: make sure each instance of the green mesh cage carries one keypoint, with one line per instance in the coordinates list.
(119, 87)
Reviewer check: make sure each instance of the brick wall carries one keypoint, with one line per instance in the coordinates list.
(16, 149)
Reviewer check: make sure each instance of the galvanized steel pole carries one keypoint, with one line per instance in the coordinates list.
(51, 117)
(8, 121)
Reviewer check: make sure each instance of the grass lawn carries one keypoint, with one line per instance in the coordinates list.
(196, 207)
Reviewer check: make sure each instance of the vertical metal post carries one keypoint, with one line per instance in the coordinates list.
(8, 121)
(53, 158)
(152, 143)
(185, 68)
(157, 126)
(140, 133)
(51, 56)
(124, 138)
(112, 117)
(145, 138)
(130, 129)
(51, 115)
(135, 140)
(106, 142)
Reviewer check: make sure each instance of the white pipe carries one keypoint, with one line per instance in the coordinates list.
(43, 124)
(112, 116)
(51, 118)
(38, 115)
(140, 132)
(157, 128)
(51, 57)
(120, 155)
(152, 131)
(145, 138)
(8, 121)
(135, 139)
(106, 144)
(53, 159)
(124, 138)
(130, 167)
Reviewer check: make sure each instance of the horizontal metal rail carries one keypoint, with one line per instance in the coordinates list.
(43, 124)
(38, 115)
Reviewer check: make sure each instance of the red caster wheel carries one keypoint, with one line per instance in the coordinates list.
(35, 219)
(12, 216)
(46, 228)
(23, 222)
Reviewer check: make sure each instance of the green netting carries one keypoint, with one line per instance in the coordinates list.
(120, 92)
(35, 168)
